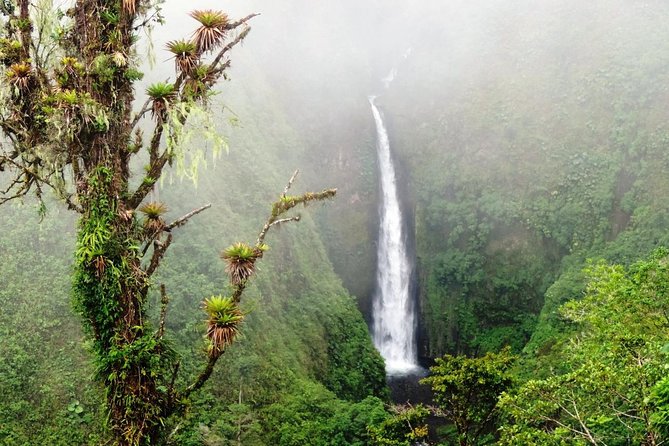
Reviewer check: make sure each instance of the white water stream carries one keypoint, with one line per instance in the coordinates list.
(394, 325)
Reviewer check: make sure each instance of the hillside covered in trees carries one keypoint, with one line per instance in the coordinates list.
(531, 145)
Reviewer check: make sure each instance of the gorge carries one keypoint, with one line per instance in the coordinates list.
(528, 142)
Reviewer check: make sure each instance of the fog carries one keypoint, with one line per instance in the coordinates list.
(527, 136)
(321, 57)
(489, 89)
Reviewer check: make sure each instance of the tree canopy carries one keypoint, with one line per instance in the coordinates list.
(610, 388)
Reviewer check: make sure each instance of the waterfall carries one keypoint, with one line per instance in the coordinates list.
(394, 327)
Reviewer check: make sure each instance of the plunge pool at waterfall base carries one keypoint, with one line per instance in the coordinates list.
(405, 388)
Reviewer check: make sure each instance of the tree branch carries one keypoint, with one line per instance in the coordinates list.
(140, 114)
(183, 220)
(170, 390)
(263, 233)
(234, 42)
(154, 145)
(286, 203)
(157, 163)
(154, 16)
(159, 249)
(26, 26)
(24, 181)
(578, 417)
(241, 21)
(155, 171)
(290, 183)
(20, 184)
(203, 376)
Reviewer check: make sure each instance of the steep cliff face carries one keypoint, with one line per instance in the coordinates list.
(534, 140)
(530, 137)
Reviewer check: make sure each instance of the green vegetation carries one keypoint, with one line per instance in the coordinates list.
(76, 142)
(302, 329)
(313, 415)
(524, 165)
(531, 141)
(532, 138)
(466, 391)
(406, 427)
(609, 389)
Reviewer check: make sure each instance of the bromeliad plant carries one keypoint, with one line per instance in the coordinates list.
(240, 261)
(19, 75)
(211, 33)
(153, 212)
(69, 124)
(224, 319)
(161, 95)
(196, 84)
(185, 55)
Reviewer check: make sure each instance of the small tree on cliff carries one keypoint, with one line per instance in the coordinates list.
(69, 126)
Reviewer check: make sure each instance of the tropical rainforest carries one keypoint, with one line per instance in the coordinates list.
(531, 141)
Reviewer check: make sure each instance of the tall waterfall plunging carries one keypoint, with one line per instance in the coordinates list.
(394, 326)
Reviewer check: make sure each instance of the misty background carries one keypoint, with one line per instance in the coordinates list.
(529, 136)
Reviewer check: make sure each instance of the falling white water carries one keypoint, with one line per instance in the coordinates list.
(393, 311)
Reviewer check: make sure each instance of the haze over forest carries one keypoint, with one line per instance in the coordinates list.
(530, 141)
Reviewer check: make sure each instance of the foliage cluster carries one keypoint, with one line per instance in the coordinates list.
(610, 389)
(405, 428)
(466, 391)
